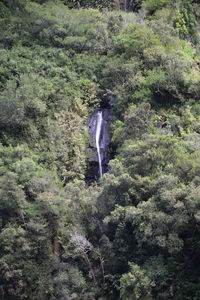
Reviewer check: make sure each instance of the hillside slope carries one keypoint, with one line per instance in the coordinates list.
(134, 234)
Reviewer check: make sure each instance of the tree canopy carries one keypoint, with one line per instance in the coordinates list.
(134, 234)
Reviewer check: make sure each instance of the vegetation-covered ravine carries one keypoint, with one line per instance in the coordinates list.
(133, 234)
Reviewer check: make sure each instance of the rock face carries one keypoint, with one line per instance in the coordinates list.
(93, 157)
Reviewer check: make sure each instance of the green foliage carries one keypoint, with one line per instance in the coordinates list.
(4, 11)
(135, 233)
(12, 198)
(185, 21)
(135, 284)
(102, 4)
(21, 100)
(153, 5)
(134, 40)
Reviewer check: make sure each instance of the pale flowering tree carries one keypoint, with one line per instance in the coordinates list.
(80, 243)
(82, 247)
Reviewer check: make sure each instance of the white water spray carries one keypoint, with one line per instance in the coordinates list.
(98, 132)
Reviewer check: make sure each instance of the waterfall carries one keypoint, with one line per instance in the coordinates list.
(98, 133)
(97, 144)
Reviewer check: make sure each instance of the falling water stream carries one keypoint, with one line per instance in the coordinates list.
(98, 133)
(98, 143)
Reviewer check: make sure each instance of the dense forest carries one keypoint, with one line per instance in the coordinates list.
(134, 233)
